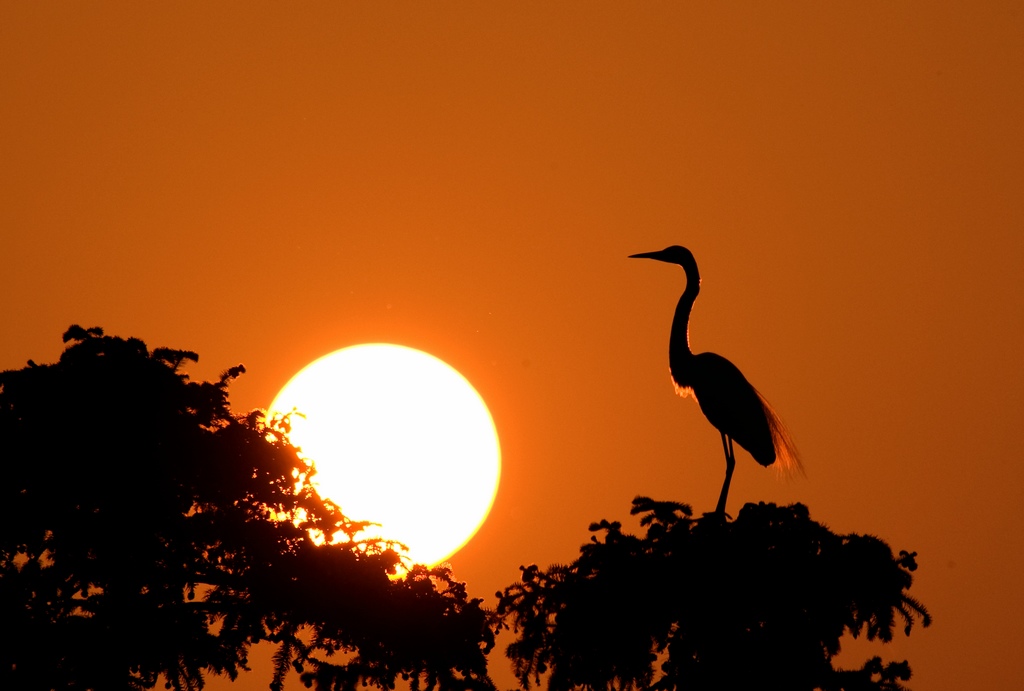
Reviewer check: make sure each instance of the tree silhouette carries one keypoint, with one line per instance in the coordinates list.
(758, 602)
(149, 532)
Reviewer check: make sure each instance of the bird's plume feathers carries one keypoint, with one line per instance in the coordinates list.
(787, 458)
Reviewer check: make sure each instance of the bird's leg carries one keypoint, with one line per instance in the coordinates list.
(730, 463)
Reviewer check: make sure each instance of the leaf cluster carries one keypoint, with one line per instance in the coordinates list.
(758, 602)
(150, 535)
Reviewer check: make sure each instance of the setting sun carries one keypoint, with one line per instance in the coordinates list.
(399, 438)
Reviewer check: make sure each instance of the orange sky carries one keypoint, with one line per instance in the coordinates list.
(266, 184)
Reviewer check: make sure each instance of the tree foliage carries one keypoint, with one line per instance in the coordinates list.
(694, 604)
(151, 533)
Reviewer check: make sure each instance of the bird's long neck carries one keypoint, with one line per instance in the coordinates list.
(679, 354)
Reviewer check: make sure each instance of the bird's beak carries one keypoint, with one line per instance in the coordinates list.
(647, 255)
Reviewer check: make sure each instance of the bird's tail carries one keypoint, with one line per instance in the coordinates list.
(787, 458)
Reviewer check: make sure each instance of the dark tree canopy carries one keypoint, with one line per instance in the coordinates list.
(760, 602)
(149, 532)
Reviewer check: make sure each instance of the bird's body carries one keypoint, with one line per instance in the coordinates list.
(731, 404)
(726, 398)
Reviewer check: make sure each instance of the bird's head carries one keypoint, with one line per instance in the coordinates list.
(673, 255)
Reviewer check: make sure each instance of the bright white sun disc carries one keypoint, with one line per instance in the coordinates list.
(399, 438)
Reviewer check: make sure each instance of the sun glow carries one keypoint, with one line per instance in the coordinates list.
(399, 438)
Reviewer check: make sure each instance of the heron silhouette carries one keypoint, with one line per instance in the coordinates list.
(724, 395)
